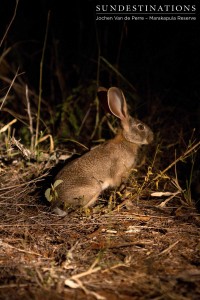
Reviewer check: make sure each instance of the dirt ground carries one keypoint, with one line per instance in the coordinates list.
(138, 249)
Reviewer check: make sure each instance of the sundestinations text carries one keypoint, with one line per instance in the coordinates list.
(101, 8)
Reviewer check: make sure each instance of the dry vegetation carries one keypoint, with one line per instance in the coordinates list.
(139, 242)
(140, 247)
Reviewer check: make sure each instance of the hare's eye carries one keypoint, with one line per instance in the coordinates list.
(140, 126)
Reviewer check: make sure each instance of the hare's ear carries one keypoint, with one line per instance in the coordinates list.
(102, 94)
(117, 103)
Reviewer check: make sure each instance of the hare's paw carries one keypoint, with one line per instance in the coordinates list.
(59, 212)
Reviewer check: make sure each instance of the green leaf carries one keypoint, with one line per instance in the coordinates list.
(48, 195)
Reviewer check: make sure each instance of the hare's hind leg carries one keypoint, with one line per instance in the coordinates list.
(92, 192)
(90, 201)
(86, 200)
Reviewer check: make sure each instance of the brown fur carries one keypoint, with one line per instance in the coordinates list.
(107, 165)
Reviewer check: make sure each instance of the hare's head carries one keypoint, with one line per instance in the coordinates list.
(137, 132)
(133, 130)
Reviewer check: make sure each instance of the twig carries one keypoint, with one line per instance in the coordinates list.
(84, 120)
(88, 272)
(74, 281)
(184, 155)
(14, 15)
(167, 250)
(78, 143)
(25, 183)
(96, 118)
(25, 152)
(48, 136)
(163, 204)
(115, 267)
(30, 118)
(41, 81)
(118, 73)
(6, 127)
(13, 285)
(9, 88)
(88, 292)
(6, 245)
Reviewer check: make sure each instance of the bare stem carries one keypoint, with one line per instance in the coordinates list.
(40, 81)
(181, 157)
(30, 118)
(8, 91)
(14, 15)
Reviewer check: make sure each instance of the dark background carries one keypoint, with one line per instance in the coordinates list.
(159, 59)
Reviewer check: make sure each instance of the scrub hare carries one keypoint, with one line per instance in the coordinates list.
(108, 165)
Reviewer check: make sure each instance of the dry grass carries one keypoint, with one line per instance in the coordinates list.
(139, 242)
(136, 248)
